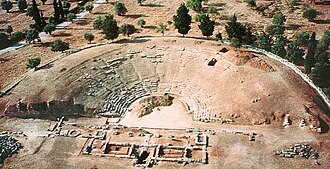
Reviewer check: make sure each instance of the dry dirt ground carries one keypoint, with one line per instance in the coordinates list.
(225, 150)
(240, 83)
(154, 12)
(249, 90)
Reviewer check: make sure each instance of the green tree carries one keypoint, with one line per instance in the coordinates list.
(5, 42)
(89, 7)
(302, 38)
(320, 74)
(56, 11)
(9, 29)
(324, 42)
(127, 29)
(49, 28)
(66, 4)
(60, 9)
(59, 45)
(89, 37)
(6, 5)
(279, 19)
(17, 36)
(22, 5)
(199, 16)
(264, 41)
(218, 36)
(97, 24)
(110, 27)
(43, 1)
(294, 53)
(310, 14)
(120, 8)
(33, 63)
(292, 3)
(251, 3)
(239, 31)
(278, 47)
(31, 35)
(141, 22)
(275, 29)
(235, 42)
(161, 28)
(35, 13)
(182, 20)
(71, 17)
(310, 57)
(195, 5)
(206, 26)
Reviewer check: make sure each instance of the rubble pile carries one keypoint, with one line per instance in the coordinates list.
(8, 146)
(302, 150)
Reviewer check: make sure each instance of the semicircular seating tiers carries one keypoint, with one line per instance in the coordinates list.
(122, 78)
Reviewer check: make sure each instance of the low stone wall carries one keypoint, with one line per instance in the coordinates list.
(50, 109)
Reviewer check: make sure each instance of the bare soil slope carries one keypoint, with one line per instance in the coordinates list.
(241, 87)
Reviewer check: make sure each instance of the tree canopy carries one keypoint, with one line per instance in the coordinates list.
(127, 29)
(264, 41)
(310, 57)
(89, 36)
(310, 13)
(59, 45)
(31, 35)
(33, 63)
(294, 53)
(182, 20)
(22, 5)
(120, 8)
(110, 27)
(195, 5)
(239, 31)
(206, 26)
(6, 5)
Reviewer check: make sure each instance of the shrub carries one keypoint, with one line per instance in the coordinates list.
(141, 22)
(17, 36)
(5, 42)
(196, 5)
(89, 36)
(31, 35)
(218, 36)
(97, 24)
(49, 28)
(71, 16)
(6, 5)
(59, 45)
(89, 7)
(235, 42)
(162, 28)
(310, 14)
(33, 62)
(199, 16)
(9, 29)
(110, 27)
(251, 2)
(302, 38)
(120, 8)
(22, 5)
(127, 29)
